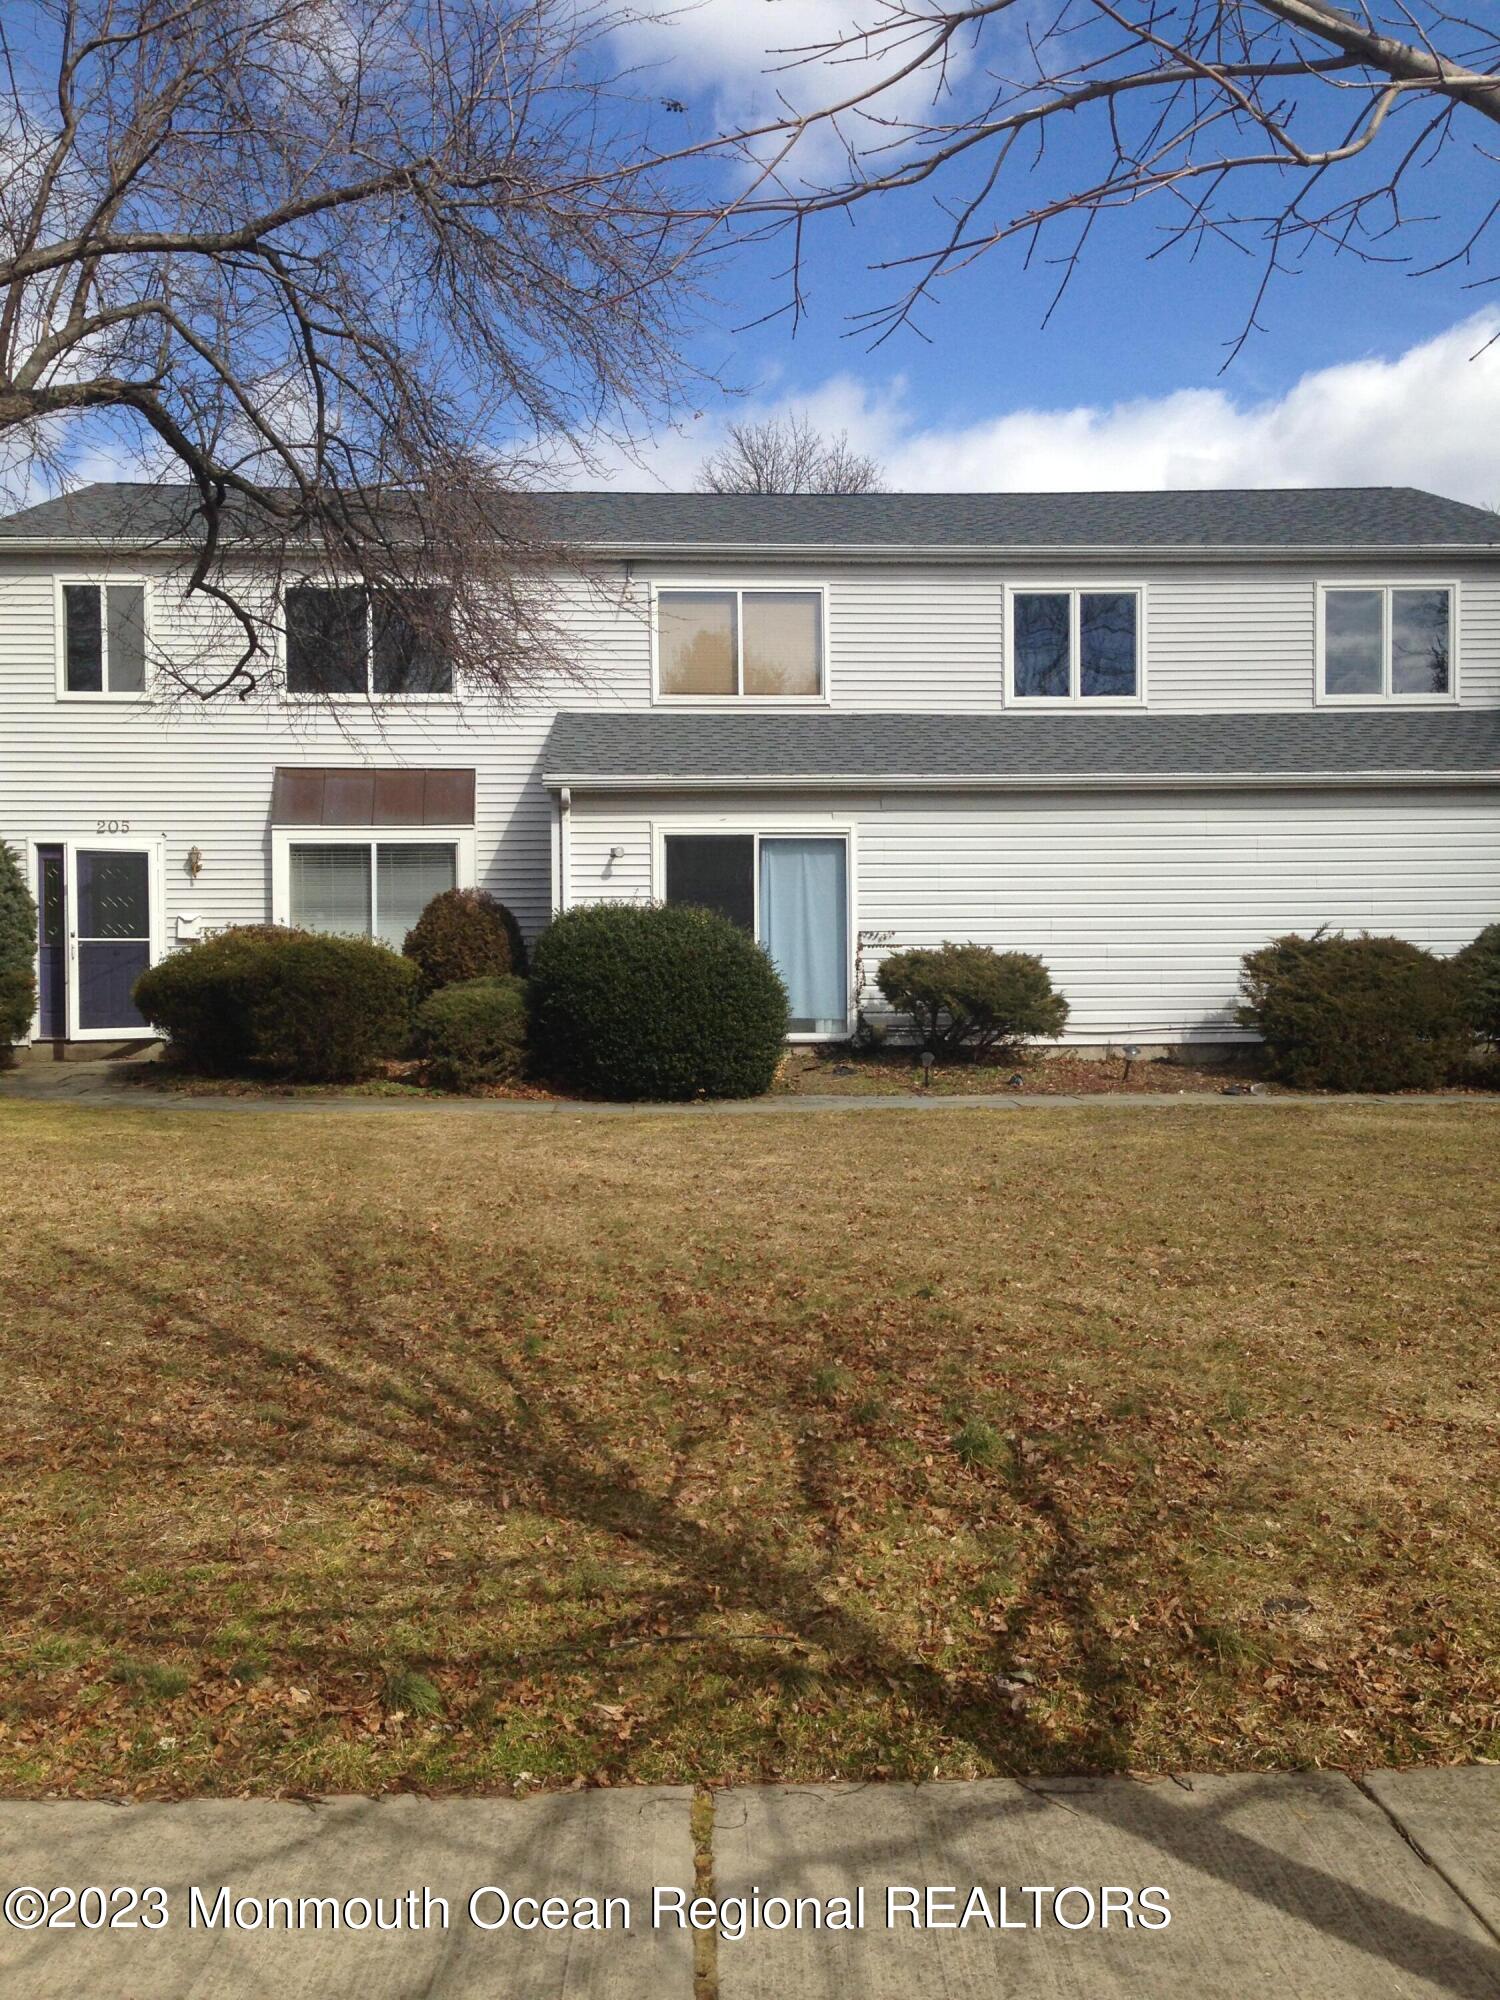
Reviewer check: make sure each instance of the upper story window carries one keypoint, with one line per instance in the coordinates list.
(104, 638)
(765, 645)
(337, 643)
(1387, 642)
(1075, 645)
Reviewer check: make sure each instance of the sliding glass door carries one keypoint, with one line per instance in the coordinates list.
(789, 890)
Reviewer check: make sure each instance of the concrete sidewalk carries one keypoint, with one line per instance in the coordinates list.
(1309, 1885)
(101, 1085)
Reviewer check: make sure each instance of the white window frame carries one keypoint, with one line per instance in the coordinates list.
(119, 579)
(1386, 697)
(368, 698)
(763, 826)
(1025, 703)
(740, 586)
(285, 838)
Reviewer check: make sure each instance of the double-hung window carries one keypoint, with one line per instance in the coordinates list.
(339, 643)
(367, 888)
(1386, 642)
(103, 638)
(1075, 646)
(740, 645)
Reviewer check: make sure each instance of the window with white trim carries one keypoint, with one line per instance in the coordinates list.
(104, 638)
(338, 643)
(1071, 645)
(375, 889)
(1387, 642)
(739, 645)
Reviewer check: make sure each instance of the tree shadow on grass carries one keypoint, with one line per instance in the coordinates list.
(515, 1436)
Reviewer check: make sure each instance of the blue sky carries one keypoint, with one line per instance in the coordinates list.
(1363, 373)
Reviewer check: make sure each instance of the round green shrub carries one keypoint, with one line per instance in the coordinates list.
(465, 934)
(473, 1033)
(1355, 1013)
(17, 951)
(634, 1000)
(1479, 967)
(314, 1008)
(967, 996)
(200, 997)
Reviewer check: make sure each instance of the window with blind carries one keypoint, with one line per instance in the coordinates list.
(374, 889)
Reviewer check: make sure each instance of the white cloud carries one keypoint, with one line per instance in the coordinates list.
(1428, 417)
(750, 62)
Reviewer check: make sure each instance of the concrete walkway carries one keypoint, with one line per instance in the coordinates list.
(101, 1085)
(1309, 1885)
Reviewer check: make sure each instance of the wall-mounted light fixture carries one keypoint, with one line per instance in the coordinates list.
(195, 862)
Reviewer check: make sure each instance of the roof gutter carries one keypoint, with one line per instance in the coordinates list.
(993, 781)
(877, 552)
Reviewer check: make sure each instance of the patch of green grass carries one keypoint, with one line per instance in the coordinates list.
(412, 1693)
(151, 1679)
(976, 1443)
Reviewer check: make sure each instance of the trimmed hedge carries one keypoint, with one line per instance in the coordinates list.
(967, 996)
(17, 951)
(473, 1033)
(1479, 967)
(1355, 1013)
(317, 1009)
(465, 934)
(632, 1000)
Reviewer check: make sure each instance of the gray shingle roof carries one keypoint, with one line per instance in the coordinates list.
(1271, 518)
(1011, 748)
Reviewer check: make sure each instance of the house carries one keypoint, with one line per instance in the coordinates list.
(1137, 733)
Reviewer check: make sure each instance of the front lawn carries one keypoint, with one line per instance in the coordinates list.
(352, 1450)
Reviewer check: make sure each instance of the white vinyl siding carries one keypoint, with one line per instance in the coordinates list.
(1142, 903)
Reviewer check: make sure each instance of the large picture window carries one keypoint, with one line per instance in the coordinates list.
(374, 889)
(791, 891)
(1387, 642)
(1075, 645)
(337, 643)
(731, 645)
(104, 638)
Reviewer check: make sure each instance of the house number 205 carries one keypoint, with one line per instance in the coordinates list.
(111, 826)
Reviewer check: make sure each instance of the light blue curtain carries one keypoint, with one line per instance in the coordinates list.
(804, 925)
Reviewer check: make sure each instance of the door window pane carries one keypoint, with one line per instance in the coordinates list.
(413, 645)
(1419, 642)
(715, 870)
(325, 640)
(1041, 642)
(804, 928)
(1352, 641)
(696, 641)
(783, 642)
(114, 894)
(1106, 643)
(126, 607)
(330, 889)
(407, 877)
(83, 643)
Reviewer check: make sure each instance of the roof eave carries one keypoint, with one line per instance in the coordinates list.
(917, 781)
(880, 552)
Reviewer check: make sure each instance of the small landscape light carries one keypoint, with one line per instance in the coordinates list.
(928, 1059)
(1132, 1050)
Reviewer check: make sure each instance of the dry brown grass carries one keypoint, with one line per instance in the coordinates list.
(346, 1450)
